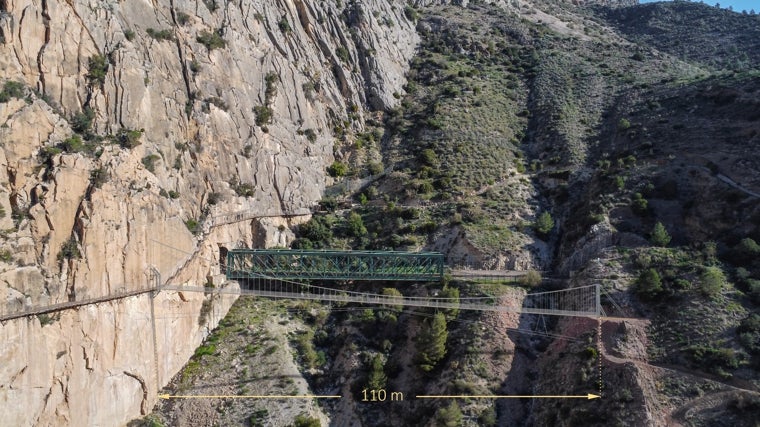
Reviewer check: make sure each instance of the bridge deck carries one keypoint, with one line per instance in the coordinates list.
(384, 300)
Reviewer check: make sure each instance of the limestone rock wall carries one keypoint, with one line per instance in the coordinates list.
(136, 120)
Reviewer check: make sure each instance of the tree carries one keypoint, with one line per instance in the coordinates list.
(452, 295)
(649, 284)
(660, 236)
(449, 416)
(544, 224)
(356, 226)
(431, 343)
(377, 378)
(395, 294)
(711, 281)
(532, 278)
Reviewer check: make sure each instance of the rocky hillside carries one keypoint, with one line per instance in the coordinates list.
(594, 141)
(130, 131)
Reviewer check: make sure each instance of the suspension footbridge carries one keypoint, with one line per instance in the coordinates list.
(300, 275)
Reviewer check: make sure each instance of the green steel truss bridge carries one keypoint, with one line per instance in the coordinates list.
(287, 264)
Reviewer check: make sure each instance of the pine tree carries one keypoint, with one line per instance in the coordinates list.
(544, 224)
(660, 236)
(377, 378)
(431, 344)
(649, 284)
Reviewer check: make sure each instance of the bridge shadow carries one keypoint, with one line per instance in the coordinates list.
(522, 372)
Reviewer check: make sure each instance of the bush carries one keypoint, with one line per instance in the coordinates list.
(304, 420)
(356, 226)
(82, 121)
(660, 236)
(263, 115)
(97, 67)
(411, 13)
(160, 34)
(212, 40)
(129, 35)
(711, 281)
(376, 168)
(69, 250)
(149, 162)
(182, 18)
(624, 124)
(193, 225)
(337, 169)
(342, 54)
(129, 138)
(531, 278)
(284, 25)
(449, 416)
(640, 205)
(73, 144)
(10, 90)
(648, 284)
(428, 157)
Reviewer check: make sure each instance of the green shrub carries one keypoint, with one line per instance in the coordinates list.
(6, 255)
(337, 169)
(263, 115)
(193, 225)
(69, 250)
(284, 25)
(342, 53)
(376, 168)
(304, 420)
(212, 5)
(97, 66)
(429, 157)
(212, 40)
(98, 177)
(648, 284)
(640, 205)
(73, 144)
(356, 226)
(82, 122)
(205, 350)
(182, 18)
(624, 124)
(149, 162)
(449, 416)
(311, 135)
(411, 13)
(129, 138)
(711, 281)
(532, 278)
(129, 35)
(160, 34)
(10, 90)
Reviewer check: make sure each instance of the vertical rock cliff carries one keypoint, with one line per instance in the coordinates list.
(139, 139)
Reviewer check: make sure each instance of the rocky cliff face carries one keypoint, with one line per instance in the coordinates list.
(128, 123)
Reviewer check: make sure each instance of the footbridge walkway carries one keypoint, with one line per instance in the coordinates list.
(289, 273)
